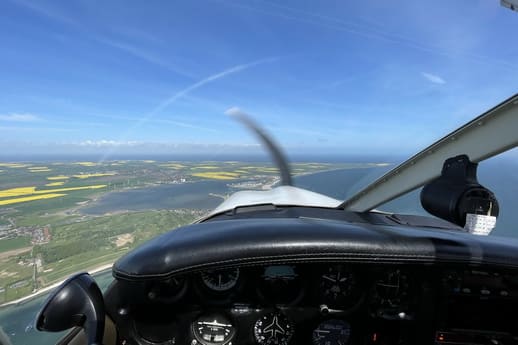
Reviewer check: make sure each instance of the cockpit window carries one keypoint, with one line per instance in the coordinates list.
(114, 126)
(498, 174)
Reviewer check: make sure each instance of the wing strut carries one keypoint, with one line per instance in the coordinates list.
(486, 136)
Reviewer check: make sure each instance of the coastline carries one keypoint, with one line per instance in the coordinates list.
(271, 184)
(95, 270)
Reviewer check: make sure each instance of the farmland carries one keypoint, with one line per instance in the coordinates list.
(45, 235)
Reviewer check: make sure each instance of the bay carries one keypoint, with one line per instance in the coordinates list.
(500, 176)
(195, 195)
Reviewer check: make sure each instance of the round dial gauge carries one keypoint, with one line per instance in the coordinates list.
(273, 329)
(214, 329)
(169, 290)
(280, 284)
(175, 284)
(157, 331)
(392, 288)
(338, 287)
(220, 280)
(332, 332)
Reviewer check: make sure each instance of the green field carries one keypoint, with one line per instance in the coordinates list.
(14, 243)
(79, 245)
(70, 241)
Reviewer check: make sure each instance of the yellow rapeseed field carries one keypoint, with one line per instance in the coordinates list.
(82, 176)
(29, 198)
(54, 184)
(59, 177)
(206, 167)
(69, 189)
(86, 164)
(217, 175)
(13, 165)
(173, 165)
(267, 170)
(14, 192)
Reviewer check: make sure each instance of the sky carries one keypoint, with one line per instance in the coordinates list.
(358, 77)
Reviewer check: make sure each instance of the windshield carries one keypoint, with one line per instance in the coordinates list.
(113, 126)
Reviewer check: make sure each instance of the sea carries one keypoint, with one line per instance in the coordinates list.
(499, 175)
(196, 195)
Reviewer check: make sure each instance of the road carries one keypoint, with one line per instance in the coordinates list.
(5, 255)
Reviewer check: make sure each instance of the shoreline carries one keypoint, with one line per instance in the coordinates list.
(104, 267)
(99, 269)
(51, 287)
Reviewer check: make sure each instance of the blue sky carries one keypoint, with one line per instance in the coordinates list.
(321, 76)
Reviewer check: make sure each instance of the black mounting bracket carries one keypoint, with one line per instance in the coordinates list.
(457, 192)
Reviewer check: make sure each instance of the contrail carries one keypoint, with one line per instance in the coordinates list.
(203, 82)
(184, 92)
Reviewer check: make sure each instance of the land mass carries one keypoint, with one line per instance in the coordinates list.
(47, 233)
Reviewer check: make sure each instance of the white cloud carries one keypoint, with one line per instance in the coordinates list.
(14, 117)
(104, 143)
(186, 91)
(108, 143)
(433, 78)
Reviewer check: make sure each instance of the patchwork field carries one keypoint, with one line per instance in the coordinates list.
(45, 236)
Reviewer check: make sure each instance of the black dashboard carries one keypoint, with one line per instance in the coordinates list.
(276, 278)
(323, 304)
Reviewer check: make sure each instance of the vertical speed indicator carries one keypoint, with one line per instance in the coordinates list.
(332, 332)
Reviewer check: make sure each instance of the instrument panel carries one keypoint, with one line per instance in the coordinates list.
(321, 304)
(337, 287)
